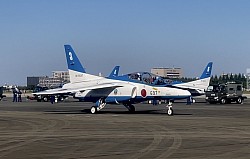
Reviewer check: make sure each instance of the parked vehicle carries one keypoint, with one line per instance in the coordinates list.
(45, 98)
(1, 93)
(225, 93)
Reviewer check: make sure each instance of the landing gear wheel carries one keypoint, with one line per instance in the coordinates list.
(170, 111)
(93, 110)
(131, 108)
(193, 100)
(239, 100)
(223, 101)
(45, 99)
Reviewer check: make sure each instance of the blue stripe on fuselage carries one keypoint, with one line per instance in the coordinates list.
(128, 99)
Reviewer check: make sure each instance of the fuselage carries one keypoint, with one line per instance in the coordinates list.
(125, 91)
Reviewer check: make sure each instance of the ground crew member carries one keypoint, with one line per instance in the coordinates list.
(14, 90)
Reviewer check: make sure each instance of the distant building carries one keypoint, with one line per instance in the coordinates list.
(44, 81)
(168, 72)
(58, 78)
(64, 75)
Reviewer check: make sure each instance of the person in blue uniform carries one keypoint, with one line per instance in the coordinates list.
(14, 91)
(19, 96)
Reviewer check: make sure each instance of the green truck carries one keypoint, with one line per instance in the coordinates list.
(1, 93)
(225, 93)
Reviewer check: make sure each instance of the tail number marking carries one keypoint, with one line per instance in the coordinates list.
(70, 56)
(208, 69)
(153, 93)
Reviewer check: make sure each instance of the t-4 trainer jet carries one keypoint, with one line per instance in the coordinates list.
(196, 87)
(102, 91)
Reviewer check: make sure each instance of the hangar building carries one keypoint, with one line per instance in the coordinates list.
(58, 78)
(168, 72)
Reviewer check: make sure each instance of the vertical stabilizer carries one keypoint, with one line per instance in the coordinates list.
(114, 72)
(207, 71)
(76, 71)
(73, 62)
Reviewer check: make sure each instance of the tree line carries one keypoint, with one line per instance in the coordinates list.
(239, 78)
(215, 79)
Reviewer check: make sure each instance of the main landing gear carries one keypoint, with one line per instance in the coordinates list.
(130, 107)
(100, 104)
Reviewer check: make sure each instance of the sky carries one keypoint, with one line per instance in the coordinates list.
(135, 34)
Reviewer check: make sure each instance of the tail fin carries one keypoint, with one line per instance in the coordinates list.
(76, 71)
(207, 71)
(72, 60)
(201, 84)
(114, 72)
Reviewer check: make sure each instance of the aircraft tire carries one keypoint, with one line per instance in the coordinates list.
(93, 110)
(45, 99)
(239, 100)
(170, 111)
(193, 100)
(223, 101)
(131, 108)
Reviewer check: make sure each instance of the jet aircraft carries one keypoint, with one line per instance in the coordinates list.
(196, 87)
(102, 90)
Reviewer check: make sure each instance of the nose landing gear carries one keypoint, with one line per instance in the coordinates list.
(170, 109)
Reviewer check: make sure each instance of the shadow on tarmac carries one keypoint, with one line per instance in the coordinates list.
(87, 111)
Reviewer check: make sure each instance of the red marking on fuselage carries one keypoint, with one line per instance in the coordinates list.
(143, 93)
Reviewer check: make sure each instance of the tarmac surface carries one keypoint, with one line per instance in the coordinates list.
(38, 130)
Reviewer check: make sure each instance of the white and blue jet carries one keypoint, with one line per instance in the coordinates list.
(102, 90)
(196, 87)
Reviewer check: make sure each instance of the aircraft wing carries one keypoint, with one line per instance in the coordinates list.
(80, 89)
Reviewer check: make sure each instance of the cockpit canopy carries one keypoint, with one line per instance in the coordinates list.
(147, 78)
